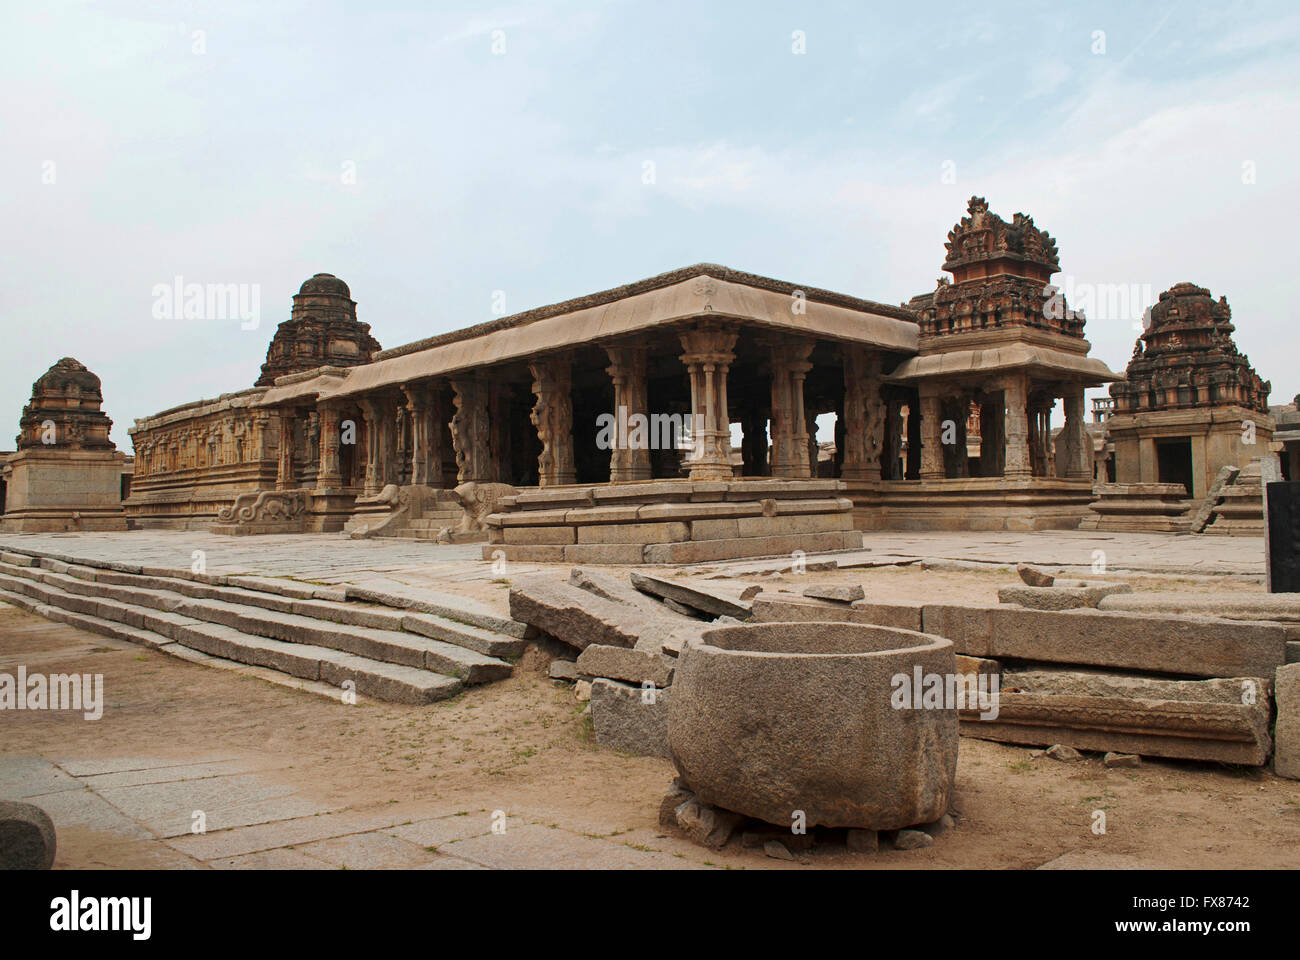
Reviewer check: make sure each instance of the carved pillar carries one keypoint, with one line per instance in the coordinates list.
(1017, 463)
(1078, 450)
(789, 362)
(707, 352)
(284, 470)
(864, 415)
(470, 430)
(931, 432)
(814, 451)
(552, 415)
(627, 370)
(419, 408)
(330, 473)
(372, 412)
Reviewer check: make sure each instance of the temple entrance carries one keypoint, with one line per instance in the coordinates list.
(1174, 461)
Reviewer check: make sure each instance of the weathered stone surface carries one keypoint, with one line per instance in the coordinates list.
(1286, 762)
(1223, 605)
(1124, 641)
(1221, 719)
(1061, 596)
(1033, 576)
(618, 590)
(563, 670)
(573, 616)
(769, 718)
(619, 663)
(776, 850)
(712, 601)
(1064, 754)
(27, 840)
(630, 718)
(781, 607)
(582, 691)
(1113, 759)
(705, 824)
(842, 593)
(912, 840)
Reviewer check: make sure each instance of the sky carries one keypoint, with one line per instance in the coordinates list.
(452, 161)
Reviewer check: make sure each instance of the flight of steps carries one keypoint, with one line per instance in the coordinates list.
(392, 647)
(428, 526)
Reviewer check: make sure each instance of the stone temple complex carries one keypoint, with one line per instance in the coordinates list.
(676, 418)
(602, 427)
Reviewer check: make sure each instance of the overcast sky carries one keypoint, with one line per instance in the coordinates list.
(432, 154)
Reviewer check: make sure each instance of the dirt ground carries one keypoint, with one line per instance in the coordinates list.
(522, 745)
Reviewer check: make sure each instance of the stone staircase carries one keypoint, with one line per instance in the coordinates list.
(391, 647)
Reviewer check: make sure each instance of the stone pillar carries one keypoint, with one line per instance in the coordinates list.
(470, 430)
(330, 473)
(931, 433)
(419, 409)
(370, 410)
(284, 469)
(1017, 464)
(1078, 450)
(707, 352)
(627, 369)
(789, 361)
(552, 415)
(864, 415)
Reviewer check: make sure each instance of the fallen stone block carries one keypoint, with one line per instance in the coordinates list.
(1033, 576)
(706, 825)
(573, 616)
(776, 850)
(618, 590)
(1226, 605)
(1199, 646)
(912, 840)
(632, 666)
(1059, 751)
(565, 670)
(840, 593)
(780, 607)
(1286, 762)
(630, 718)
(714, 601)
(27, 840)
(1223, 719)
(1113, 759)
(1061, 596)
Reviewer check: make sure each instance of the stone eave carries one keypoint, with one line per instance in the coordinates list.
(695, 296)
(1034, 359)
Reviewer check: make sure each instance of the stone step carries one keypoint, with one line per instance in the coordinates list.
(274, 593)
(382, 681)
(145, 590)
(412, 649)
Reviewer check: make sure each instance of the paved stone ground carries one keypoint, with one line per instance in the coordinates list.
(336, 559)
(254, 822)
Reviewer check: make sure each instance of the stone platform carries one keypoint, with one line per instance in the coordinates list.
(973, 503)
(1139, 507)
(672, 521)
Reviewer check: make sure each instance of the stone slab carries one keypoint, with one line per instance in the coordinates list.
(630, 718)
(1286, 734)
(619, 663)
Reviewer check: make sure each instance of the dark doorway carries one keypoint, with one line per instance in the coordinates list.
(1174, 461)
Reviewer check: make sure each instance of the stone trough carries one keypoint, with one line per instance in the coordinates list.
(770, 719)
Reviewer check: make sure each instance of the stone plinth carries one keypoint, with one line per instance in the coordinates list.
(1141, 507)
(771, 719)
(56, 489)
(672, 521)
(975, 503)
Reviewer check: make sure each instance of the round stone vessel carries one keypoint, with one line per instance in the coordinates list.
(768, 719)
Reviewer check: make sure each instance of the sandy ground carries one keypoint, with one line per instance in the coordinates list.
(522, 745)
